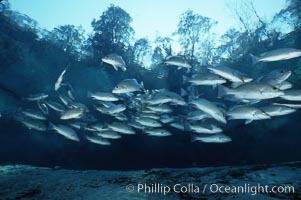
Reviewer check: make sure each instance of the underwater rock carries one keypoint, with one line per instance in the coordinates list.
(28, 182)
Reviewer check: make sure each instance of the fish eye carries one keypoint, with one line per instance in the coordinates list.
(282, 71)
(274, 88)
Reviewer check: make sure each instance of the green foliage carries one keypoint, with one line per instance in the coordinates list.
(112, 32)
(68, 38)
(142, 49)
(193, 31)
(4, 5)
(290, 14)
(162, 50)
(29, 53)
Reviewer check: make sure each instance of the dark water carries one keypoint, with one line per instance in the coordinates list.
(30, 65)
(251, 145)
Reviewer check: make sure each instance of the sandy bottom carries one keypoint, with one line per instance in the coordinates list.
(28, 182)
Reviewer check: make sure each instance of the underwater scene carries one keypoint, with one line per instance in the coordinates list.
(154, 99)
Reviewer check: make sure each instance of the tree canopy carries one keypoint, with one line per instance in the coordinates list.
(193, 39)
(193, 30)
(112, 32)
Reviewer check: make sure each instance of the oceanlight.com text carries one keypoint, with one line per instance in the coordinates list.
(214, 188)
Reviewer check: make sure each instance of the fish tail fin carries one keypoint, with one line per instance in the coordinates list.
(222, 91)
(255, 59)
(184, 79)
(142, 84)
(248, 121)
(89, 94)
(19, 109)
(142, 87)
(194, 138)
(51, 126)
(187, 126)
(183, 92)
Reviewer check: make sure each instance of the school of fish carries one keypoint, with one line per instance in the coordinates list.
(131, 109)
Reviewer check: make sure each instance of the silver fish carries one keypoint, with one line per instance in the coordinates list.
(277, 110)
(149, 122)
(31, 123)
(166, 119)
(59, 81)
(65, 131)
(197, 115)
(292, 95)
(43, 107)
(121, 128)
(37, 97)
(178, 125)
(79, 105)
(98, 140)
(102, 96)
(230, 74)
(178, 61)
(74, 113)
(175, 98)
(204, 79)
(78, 125)
(276, 55)
(111, 110)
(127, 86)
(115, 60)
(109, 134)
(158, 132)
(99, 127)
(295, 106)
(160, 109)
(70, 94)
(285, 85)
(136, 125)
(149, 115)
(217, 138)
(56, 106)
(35, 114)
(65, 100)
(204, 128)
(253, 90)
(158, 99)
(248, 113)
(209, 108)
(121, 116)
(276, 77)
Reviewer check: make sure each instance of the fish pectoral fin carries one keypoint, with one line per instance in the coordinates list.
(248, 121)
(115, 67)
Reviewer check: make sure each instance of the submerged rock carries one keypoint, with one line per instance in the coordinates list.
(28, 182)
